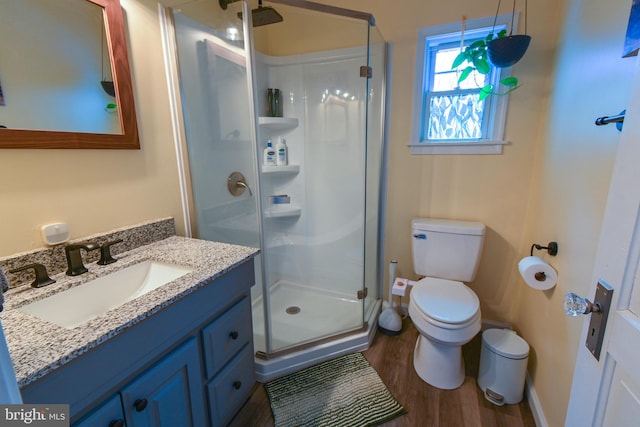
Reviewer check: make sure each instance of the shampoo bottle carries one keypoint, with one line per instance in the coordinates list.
(282, 156)
(269, 158)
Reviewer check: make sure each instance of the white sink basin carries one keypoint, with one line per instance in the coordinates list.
(84, 302)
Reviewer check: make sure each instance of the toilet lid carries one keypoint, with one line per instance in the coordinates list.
(446, 301)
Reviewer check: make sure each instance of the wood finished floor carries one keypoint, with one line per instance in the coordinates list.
(392, 357)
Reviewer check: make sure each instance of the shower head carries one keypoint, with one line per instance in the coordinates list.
(262, 15)
(265, 15)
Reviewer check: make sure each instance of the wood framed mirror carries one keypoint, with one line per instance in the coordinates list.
(108, 38)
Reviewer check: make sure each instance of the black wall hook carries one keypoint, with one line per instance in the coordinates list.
(552, 248)
(618, 120)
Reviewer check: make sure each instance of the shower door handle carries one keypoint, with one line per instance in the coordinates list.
(236, 184)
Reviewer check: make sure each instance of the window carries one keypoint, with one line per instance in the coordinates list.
(449, 117)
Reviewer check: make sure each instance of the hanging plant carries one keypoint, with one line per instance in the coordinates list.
(498, 50)
(476, 57)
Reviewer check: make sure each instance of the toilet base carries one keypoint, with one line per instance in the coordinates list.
(437, 364)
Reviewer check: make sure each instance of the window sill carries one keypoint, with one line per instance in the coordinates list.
(486, 147)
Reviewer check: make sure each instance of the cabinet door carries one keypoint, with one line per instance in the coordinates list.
(231, 388)
(226, 335)
(109, 414)
(169, 394)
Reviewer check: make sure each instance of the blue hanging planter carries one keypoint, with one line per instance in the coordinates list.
(506, 51)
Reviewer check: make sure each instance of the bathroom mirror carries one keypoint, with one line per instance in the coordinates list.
(63, 100)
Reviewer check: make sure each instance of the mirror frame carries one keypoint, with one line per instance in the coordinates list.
(128, 139)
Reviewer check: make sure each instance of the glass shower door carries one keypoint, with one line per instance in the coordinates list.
(314, 245)
(216, 104)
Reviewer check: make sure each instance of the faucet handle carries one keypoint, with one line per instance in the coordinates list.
(42, 278)
(105, 252)
(74, 259)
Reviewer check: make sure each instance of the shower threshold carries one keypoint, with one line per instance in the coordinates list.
(300, 313)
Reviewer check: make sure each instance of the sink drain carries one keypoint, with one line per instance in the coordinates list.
(293, 310)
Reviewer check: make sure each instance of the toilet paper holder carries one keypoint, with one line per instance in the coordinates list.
(552, 248)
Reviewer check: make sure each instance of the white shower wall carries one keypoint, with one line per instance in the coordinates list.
(324, 247)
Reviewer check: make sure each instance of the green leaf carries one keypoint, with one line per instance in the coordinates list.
(462, 56)
(476, 45)
(509, 81)
(489, 37)
(502, 33)
(482, 65)
(486, 91)
(465, 73)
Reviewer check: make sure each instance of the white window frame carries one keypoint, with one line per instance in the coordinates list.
(496, 106)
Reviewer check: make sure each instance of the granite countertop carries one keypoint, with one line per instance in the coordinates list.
(37, 347)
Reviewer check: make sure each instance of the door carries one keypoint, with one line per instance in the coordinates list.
(606, 392)
(169, 394)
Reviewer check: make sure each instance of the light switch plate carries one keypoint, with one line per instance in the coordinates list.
(54, 234)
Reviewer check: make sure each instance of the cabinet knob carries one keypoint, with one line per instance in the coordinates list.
(234, 335)
(140, 404)
(237, 385)
(116, 423)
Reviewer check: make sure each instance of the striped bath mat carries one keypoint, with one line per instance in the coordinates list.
(345, 391)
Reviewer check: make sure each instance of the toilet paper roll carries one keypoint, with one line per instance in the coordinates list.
(537, 273)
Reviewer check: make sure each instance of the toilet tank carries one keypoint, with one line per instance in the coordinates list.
(446, 249)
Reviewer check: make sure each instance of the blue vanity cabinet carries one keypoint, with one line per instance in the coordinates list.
(168, 394)
(171, 359)
(231, 388)
(228, 357)
(109, 414)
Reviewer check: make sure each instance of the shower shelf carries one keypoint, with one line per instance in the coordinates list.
(281, 169)
(283, 212)
(278, 123)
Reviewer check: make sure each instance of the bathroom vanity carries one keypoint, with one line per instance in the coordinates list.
(181, 354)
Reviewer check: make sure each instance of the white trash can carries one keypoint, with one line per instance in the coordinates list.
(503, 366)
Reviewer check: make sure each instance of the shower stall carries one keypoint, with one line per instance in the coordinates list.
(317, 219)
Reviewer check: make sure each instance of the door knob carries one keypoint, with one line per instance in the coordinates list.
(575, 305)
(140, 404)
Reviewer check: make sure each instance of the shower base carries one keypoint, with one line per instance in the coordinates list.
(302, 314)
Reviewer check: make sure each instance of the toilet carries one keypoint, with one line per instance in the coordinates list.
(443, 309)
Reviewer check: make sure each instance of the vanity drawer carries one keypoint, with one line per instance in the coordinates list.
(226, 335)
(231, 388)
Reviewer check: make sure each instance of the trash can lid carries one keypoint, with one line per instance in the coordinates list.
(506, 342)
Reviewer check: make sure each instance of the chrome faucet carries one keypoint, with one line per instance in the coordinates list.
(74, 258)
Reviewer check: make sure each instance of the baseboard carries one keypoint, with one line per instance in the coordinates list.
(534, 403)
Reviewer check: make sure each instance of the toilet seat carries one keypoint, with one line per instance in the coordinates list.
(445, 303)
